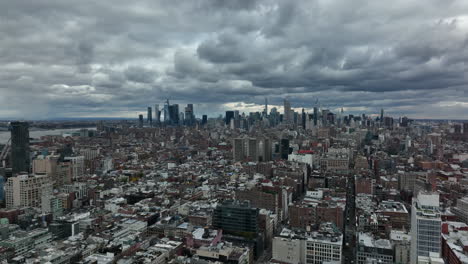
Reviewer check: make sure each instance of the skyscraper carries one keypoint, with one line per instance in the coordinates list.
(381, 115)
(20, 160)
(173, 112)
(140, 121)
(265, 111)
(287, 111)
(284, 148)
(303, 119)
(149, 117)
(204, 120)
(315, 116)
(189, 116)
(167, 117)
(425, 226)
(229, 116)
(157, 114)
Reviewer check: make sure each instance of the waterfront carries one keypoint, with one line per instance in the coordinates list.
(5, 135)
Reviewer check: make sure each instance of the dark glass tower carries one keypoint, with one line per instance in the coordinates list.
(149, 116)
(237, 218)
(229, 116)
(284, 148)
(20, 160)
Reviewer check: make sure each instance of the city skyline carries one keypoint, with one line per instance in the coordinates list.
(109, 59)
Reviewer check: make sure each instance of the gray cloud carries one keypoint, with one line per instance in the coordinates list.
(107, 58)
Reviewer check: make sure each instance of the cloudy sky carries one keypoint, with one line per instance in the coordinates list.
(113, 58)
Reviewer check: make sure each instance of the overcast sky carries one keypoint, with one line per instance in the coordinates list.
(113, 58)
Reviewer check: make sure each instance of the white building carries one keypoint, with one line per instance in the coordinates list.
(310, 247)
(425, 226)
(26, 190)
(371, 250)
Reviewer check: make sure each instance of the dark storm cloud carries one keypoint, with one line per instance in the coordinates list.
(117, 57)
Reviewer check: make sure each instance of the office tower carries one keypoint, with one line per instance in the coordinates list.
(264, 149)
(465, 128)
(229, 116)
(303, 119)
(20, 160)
(149, 117)
(140, 121)
(381, 115)
(284, 148)
(174, 115)
(237, 218)
(157, 114)
(167, 117)
(26, 191)
(189, 116)
(325, 113)
(425, 225)
(287, 112)
(204, 119)
(238, 149)
(315, 116)
(236, 115)
(265, 111)
(251, 149)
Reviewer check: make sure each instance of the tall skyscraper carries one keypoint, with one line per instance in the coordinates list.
(425, 226)
(315, 116)
(149, 117)
(229, 116)
(381, 115)
(284, 148)
(174, 115)
(204, 120)
(140, 121)
(265, 111)
(20, 160)
(167, 117)
(303, 119)
(287, 112)
(189, 116)
(157, 114)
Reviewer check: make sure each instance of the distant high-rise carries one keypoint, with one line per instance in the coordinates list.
(381, 115)
(167, 117)
(265, 111)
(229, 116)
(303, 119)
(189, 116)
(287, 112)
(315, 116)
(204, 120)
(140, 121)
(149, 117)
(284, 148)
(157, 114)
(174, 114)
(20, 160)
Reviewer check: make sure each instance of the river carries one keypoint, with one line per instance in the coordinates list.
(5, 135)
